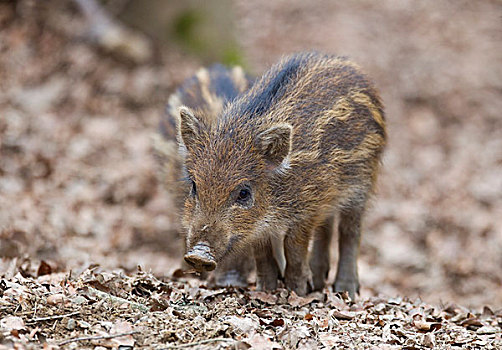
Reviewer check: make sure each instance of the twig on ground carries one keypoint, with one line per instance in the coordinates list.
(99, 337)
(114, 299)
(200, 342)
(40, 319)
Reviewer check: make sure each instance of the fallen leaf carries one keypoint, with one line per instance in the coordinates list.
(120, 327)
(297, 301)
(463, 338)
(295, 334)
(480, 342)
(425, 326)
(241, 345)
(44, 269)
(380, 308)
(267, 298)
(260, 342)
(471, 321)
(487, 312)
(335, 300)
(278, 322)
(56, 299)
(488, 330)
(395, 301)
(83, 324)
(243, 324)
(429, 340)
(324, 323)
(328, 340)
(12, 323)
(343, 315)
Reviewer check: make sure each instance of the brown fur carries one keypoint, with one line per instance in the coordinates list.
(305, 142)
(207, 92)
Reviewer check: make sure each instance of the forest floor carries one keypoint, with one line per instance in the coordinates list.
(89, 241)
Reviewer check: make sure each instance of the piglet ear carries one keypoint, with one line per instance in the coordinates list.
(275, 143)
(189, 128)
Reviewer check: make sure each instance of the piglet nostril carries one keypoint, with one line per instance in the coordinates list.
(190, 261)
(209, 266)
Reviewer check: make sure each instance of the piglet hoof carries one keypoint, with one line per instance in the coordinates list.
(266, 283)
(318, 282)
(350, 286)
(319, 274)
(300, 284)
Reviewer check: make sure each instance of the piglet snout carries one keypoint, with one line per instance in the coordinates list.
(200, 257)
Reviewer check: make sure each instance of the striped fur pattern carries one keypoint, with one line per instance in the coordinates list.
(275, 167)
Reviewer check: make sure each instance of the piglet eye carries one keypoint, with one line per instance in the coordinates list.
(244, 196)
(193, 192)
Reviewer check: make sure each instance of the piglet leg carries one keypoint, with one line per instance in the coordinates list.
(298, 276)
(319, 259)
(349, 232)
(267, 271)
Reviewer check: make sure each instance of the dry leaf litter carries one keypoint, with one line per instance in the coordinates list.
(111, 309)
(79, 196)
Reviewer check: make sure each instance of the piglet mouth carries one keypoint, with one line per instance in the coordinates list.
(200, 257)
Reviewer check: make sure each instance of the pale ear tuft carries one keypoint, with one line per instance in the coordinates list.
(189, 127)
(275, 143)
